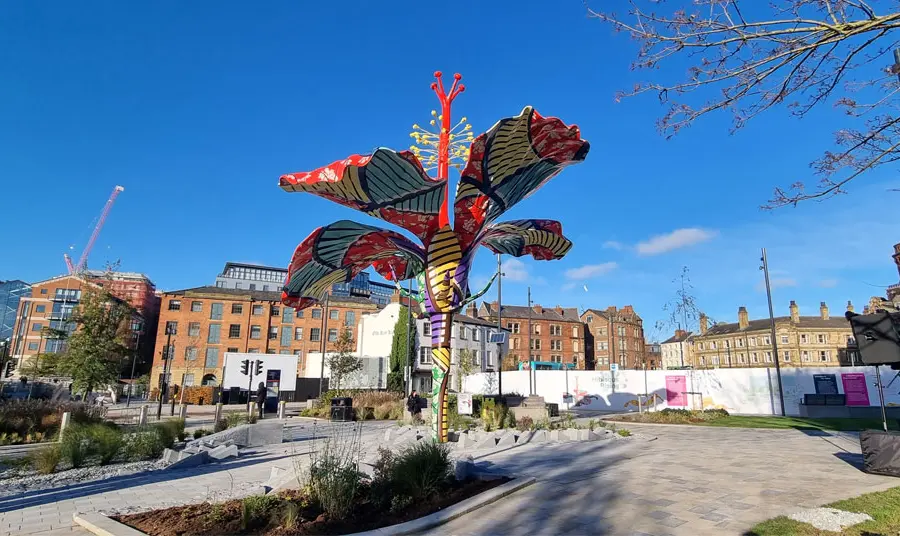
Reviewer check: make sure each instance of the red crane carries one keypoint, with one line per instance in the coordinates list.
(82, 262)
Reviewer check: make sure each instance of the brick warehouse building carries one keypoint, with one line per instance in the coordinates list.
(557, 333)
(211, 321)
(50, 307)
(614, 336)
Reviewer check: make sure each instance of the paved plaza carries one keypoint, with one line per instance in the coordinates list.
(669, 480)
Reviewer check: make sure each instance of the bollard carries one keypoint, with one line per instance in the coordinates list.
(218, 415)
(63, 424)
(182, 411)
(281, 409)
(142, 417)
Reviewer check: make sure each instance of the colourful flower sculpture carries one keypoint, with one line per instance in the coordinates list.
(504, 165)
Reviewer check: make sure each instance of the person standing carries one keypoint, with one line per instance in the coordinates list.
(261, 393)
(414, 406)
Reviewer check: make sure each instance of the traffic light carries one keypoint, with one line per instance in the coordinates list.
(245, 366)
(259, 367)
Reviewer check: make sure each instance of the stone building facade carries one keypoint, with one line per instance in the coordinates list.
(614, 336)
(557, 334)
(677, 350)
(209, 321)
(801, 341)
(892, 302)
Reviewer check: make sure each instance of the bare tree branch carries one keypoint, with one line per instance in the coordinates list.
(801, 53)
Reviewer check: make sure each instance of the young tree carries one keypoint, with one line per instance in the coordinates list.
(465, 367)
(343, 362)
(749, 56)
(399, 349)
(96, 349)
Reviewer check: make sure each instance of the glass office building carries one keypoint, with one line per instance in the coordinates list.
(10, 292)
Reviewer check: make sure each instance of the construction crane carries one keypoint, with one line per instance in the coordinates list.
(82, 262)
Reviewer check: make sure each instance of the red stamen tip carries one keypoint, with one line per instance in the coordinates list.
(457, 76)
(434, 85)
(462, 87)
(437, 74)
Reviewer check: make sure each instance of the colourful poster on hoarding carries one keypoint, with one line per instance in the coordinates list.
(676, 391)
(855, 388)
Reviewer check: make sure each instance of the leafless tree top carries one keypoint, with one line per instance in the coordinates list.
(753, 55)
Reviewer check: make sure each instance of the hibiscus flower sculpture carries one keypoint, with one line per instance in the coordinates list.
(502, 166)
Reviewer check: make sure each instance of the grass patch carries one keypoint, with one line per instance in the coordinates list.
(881, 505)
(722, 419)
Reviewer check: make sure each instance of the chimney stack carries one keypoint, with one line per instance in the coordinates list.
(559, 310)
(795, 312)
(679, 333)
(849, 306)
(743, 317)
(823, 310)
(471, 310)
(704, 323)
(538, 309)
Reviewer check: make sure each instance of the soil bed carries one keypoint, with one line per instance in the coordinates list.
(227, 518)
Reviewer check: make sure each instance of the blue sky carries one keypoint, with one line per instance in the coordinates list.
(197, 108)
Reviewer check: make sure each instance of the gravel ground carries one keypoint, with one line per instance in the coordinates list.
(829, 518)
(14, 481)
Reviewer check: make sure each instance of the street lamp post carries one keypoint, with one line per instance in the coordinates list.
(167, 362)
(137, 343)
(765, 269)
(530, 348)
(500, 330)
(322, 346)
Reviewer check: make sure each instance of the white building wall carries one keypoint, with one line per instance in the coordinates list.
(672, 352)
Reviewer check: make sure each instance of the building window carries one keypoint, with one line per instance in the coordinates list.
(489, 358)
(188, 380)
(513, 327)
(555, 330)
(273, 333)
(237, 284)
(823, 355)
(623, 344)
(575, 331)
(333, 314)
(237, 308)
(754, 357)
(535, 344)
(332, 335)
(715, 360)
(288, 315)
(768, 357)
(317, 313)
(767, 340)
(174, 305)
(425, 355)
(804, 355)
(603, 331)
(701, 346)
(753, 341)
(822, 338)
(603, 345)
(257, 310)
(741, 358)
(476, 357)
(462, 333)
(196, 307)
(621, 331)
(234, 331)
(215, 311)
(171, 327)
(476, 334)
(315, 334)
(349, 318)
(784, 339)
(220, 284)
(232, 349)
(590, 319)
(212, 358)
(253, 350)
(555, 344)
(43, 291)
(193, 329)
(214, 333)
(804, 338)
(255, 332)
(536, 329)
(702, 360)
(298, 314)
(574, 346)
(40, 309)
(253, 287)
(32, 346)
(740, 343)
(275, 310)
(714, 345)
(298, 353)
(516, 343)
(298, 334)
(787, 355)
(426, 328)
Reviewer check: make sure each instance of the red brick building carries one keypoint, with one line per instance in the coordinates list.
(614, 336)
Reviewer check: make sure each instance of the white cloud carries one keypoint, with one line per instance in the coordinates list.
(568, 286)
(589, 271)
(828, 283)
(678, 238)
(612, 244)
(782, 282)
(516, 270)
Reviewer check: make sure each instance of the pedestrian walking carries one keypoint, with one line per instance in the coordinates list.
(414, 406)
(261, 392)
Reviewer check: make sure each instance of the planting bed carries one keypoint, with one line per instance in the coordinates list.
(293, 513)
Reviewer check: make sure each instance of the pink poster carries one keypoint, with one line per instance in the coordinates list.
(855, 388)
(676, 391)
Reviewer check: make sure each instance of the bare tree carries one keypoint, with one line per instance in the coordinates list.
(802, 53)
(682, 311)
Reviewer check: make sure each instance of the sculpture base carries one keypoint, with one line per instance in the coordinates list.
(533, 406)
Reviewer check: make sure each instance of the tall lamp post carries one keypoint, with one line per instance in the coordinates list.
(137, 342)
(167, 362)
(499, 330)
(765, 269)
(322, 346)
(530, 348)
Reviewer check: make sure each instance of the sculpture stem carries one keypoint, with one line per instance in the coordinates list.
(441, 334)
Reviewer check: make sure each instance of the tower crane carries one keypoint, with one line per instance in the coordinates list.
(82, 261)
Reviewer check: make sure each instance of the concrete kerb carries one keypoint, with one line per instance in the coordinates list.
(99, 524)
(452, 512)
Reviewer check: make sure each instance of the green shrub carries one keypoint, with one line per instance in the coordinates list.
(106, 442)
(165, 433)
(200, 433)
(144, 444)
(421, 470)
(525, 423)
(290, 515)
(76, 445)
(220, 426)
(235, 418)
(176, 428)
(25, 421)
(717, 412)
(592, 424)
(46, 459)
(623, 432)
(333, 482)
(257, 509)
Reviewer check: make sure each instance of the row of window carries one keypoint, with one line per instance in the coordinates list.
(425, 356)
(213, 335)
(820, 338)
(211, 358)
(555, 329)
(620, 329)
(555, 344)
(216, 310)
(805, 356)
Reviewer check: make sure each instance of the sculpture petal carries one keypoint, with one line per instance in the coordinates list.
(337, 252)
(508, 163)
(388, 185)
(542, 239)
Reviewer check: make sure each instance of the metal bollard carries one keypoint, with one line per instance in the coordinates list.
(281, 409)
(218, 414)
(182, 411)
(63, 424)
(142, 417)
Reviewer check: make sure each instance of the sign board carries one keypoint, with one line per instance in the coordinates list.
(613, 367)
(497, 338)
(279, 371)
(464, 404)
(676, 391)
(855, 388)
(826, 384)
(568, 398)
